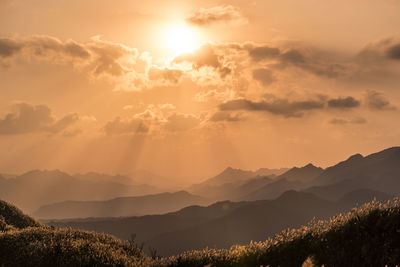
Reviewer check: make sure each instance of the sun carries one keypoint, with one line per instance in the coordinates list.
(179, 38)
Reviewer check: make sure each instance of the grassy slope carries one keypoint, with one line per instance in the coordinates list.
(367, 236)
(25, 242)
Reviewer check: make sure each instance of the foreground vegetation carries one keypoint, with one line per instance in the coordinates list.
(366, 236)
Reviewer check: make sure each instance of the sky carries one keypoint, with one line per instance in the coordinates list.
(187, 88)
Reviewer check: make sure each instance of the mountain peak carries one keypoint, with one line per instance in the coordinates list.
(355, 157)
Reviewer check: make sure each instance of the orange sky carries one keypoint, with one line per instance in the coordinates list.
(186, 88)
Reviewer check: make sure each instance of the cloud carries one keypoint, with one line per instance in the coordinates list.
(264, 76)
(380, 51)
(98, 56)
(344, 103)
(43, 46)
(166, 75)
(119, 126)
(205, 56)
(225, 116)
(178, 122)
(277, 107)
(303, 58)
(393, 52)
(258, 53)
(216, 15)
(8, 47)
(377, 100)
(30, 119)
(347, 121)
(214, 95)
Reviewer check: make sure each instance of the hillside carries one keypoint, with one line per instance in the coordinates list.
(366, 236)
(118, 207)
(25, 242)
(224, 223)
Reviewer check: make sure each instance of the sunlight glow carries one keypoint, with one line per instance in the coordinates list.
(180, 38)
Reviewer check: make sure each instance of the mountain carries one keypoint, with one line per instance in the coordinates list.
(341, 241)
(119, 207)
(37, 188)
(380, 167)
(147, 227)
(295, 178)
(361, 196)
(101, 177)
(229, 175)
(272, 190)
(304, 174)
(221, 224)
(270, 172)
(254, 221)
(232, 191)
(379, 171)
(233, 183)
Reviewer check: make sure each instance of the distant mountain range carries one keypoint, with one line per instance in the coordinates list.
(118, 207)
(224, 223)
(234, 183)
(33, 189)
(265, 204)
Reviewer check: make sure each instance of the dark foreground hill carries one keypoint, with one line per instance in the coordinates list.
(367, 236)
(25, 242)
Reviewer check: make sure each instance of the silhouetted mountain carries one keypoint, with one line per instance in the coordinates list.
(119, 207)
(270, 172)
(150, 226)
(379, 171)
(382, 167)
(273, 189)
(234, 183)
(255, 221)
(232, 191)
(224, 223)
(100, 177)
(361, 196)
(304, 174)
(36, 188)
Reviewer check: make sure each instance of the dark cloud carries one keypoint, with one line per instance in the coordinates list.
(278, 107)
(205, 56)
(8, 47)
(178, 122)
(263, 52)
(358, 121)
(378, 101)
(344, 103)
(128, 126)
(346, 121)
(172, 76)
(102, 57)
(30, 119)
(63, 123)
(393, 52)
(264, 76)
(214, 15)
(293, 56)
(226, 116)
